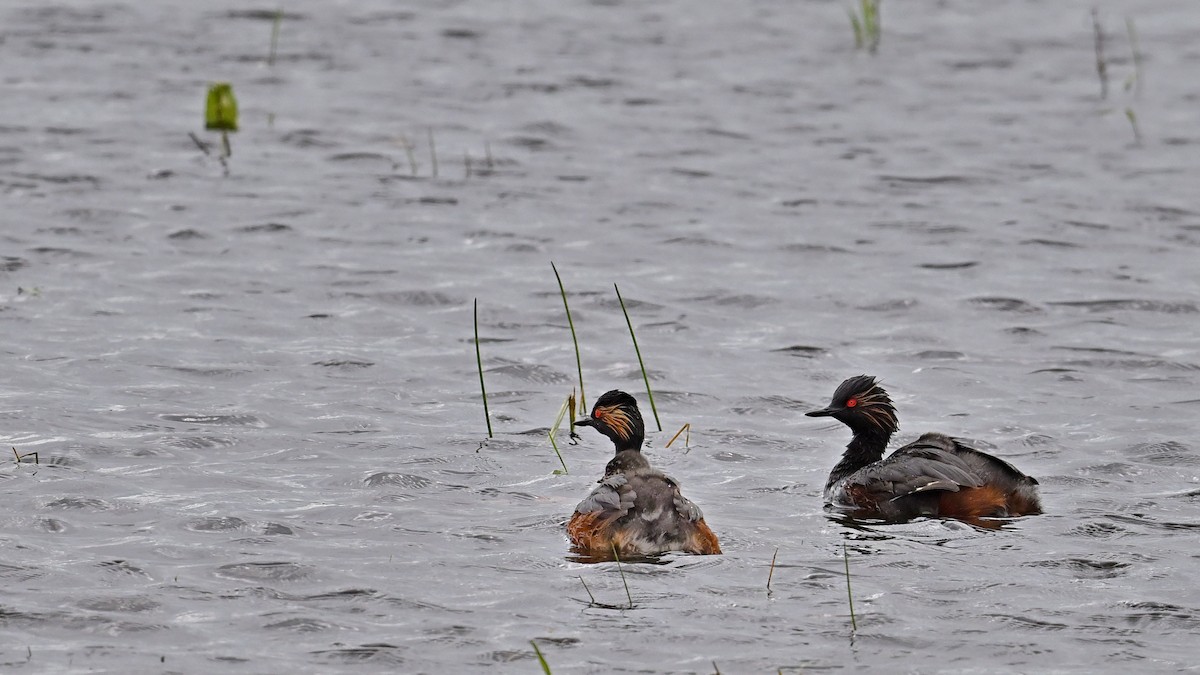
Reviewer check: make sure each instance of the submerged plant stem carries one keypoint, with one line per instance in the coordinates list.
(589, 591)
(849, 595)
(628, 595)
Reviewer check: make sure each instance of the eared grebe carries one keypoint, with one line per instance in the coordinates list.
(635, 509)
(935, 475)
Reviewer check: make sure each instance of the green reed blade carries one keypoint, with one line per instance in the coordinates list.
(849, 595)
(574, 340)
(479, 361)
(645, 378)
(772, 572)
(541, 659)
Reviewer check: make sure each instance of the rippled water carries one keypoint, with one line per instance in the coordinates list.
(253, 397)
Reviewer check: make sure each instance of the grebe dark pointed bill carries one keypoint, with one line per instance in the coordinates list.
(635, 510)
(936, 475)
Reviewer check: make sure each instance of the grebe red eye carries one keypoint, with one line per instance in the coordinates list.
(597, 414)
(851, 403)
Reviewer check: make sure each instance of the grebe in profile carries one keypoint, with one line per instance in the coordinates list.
(935, 475)
(636, 510)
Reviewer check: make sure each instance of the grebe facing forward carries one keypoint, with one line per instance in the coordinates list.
(935, 475)
(636, 510)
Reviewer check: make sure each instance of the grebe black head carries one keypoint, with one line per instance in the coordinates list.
(615, 414)
(935, 475)
(862, 404)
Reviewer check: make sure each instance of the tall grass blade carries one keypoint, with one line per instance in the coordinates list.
(645, 378)
(479, 361)
(574, 340)
(628, 595)
(849, 595)
(541, 659)
(772, 572)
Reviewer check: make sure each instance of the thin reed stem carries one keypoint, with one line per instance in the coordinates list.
(628, 595)
(199, 143)
(686, 439)
(772, 572)
(1137, 132)
(574, 340)
(408, 150)
(589, 591)
(275, 36)
(645, 378)
(567, 405)
(479, 361)
(849, 595)
(571, 415)
(1131, 30)
(1101, 64)
(433, 154)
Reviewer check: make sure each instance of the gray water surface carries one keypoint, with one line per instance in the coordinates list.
(254, 399)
